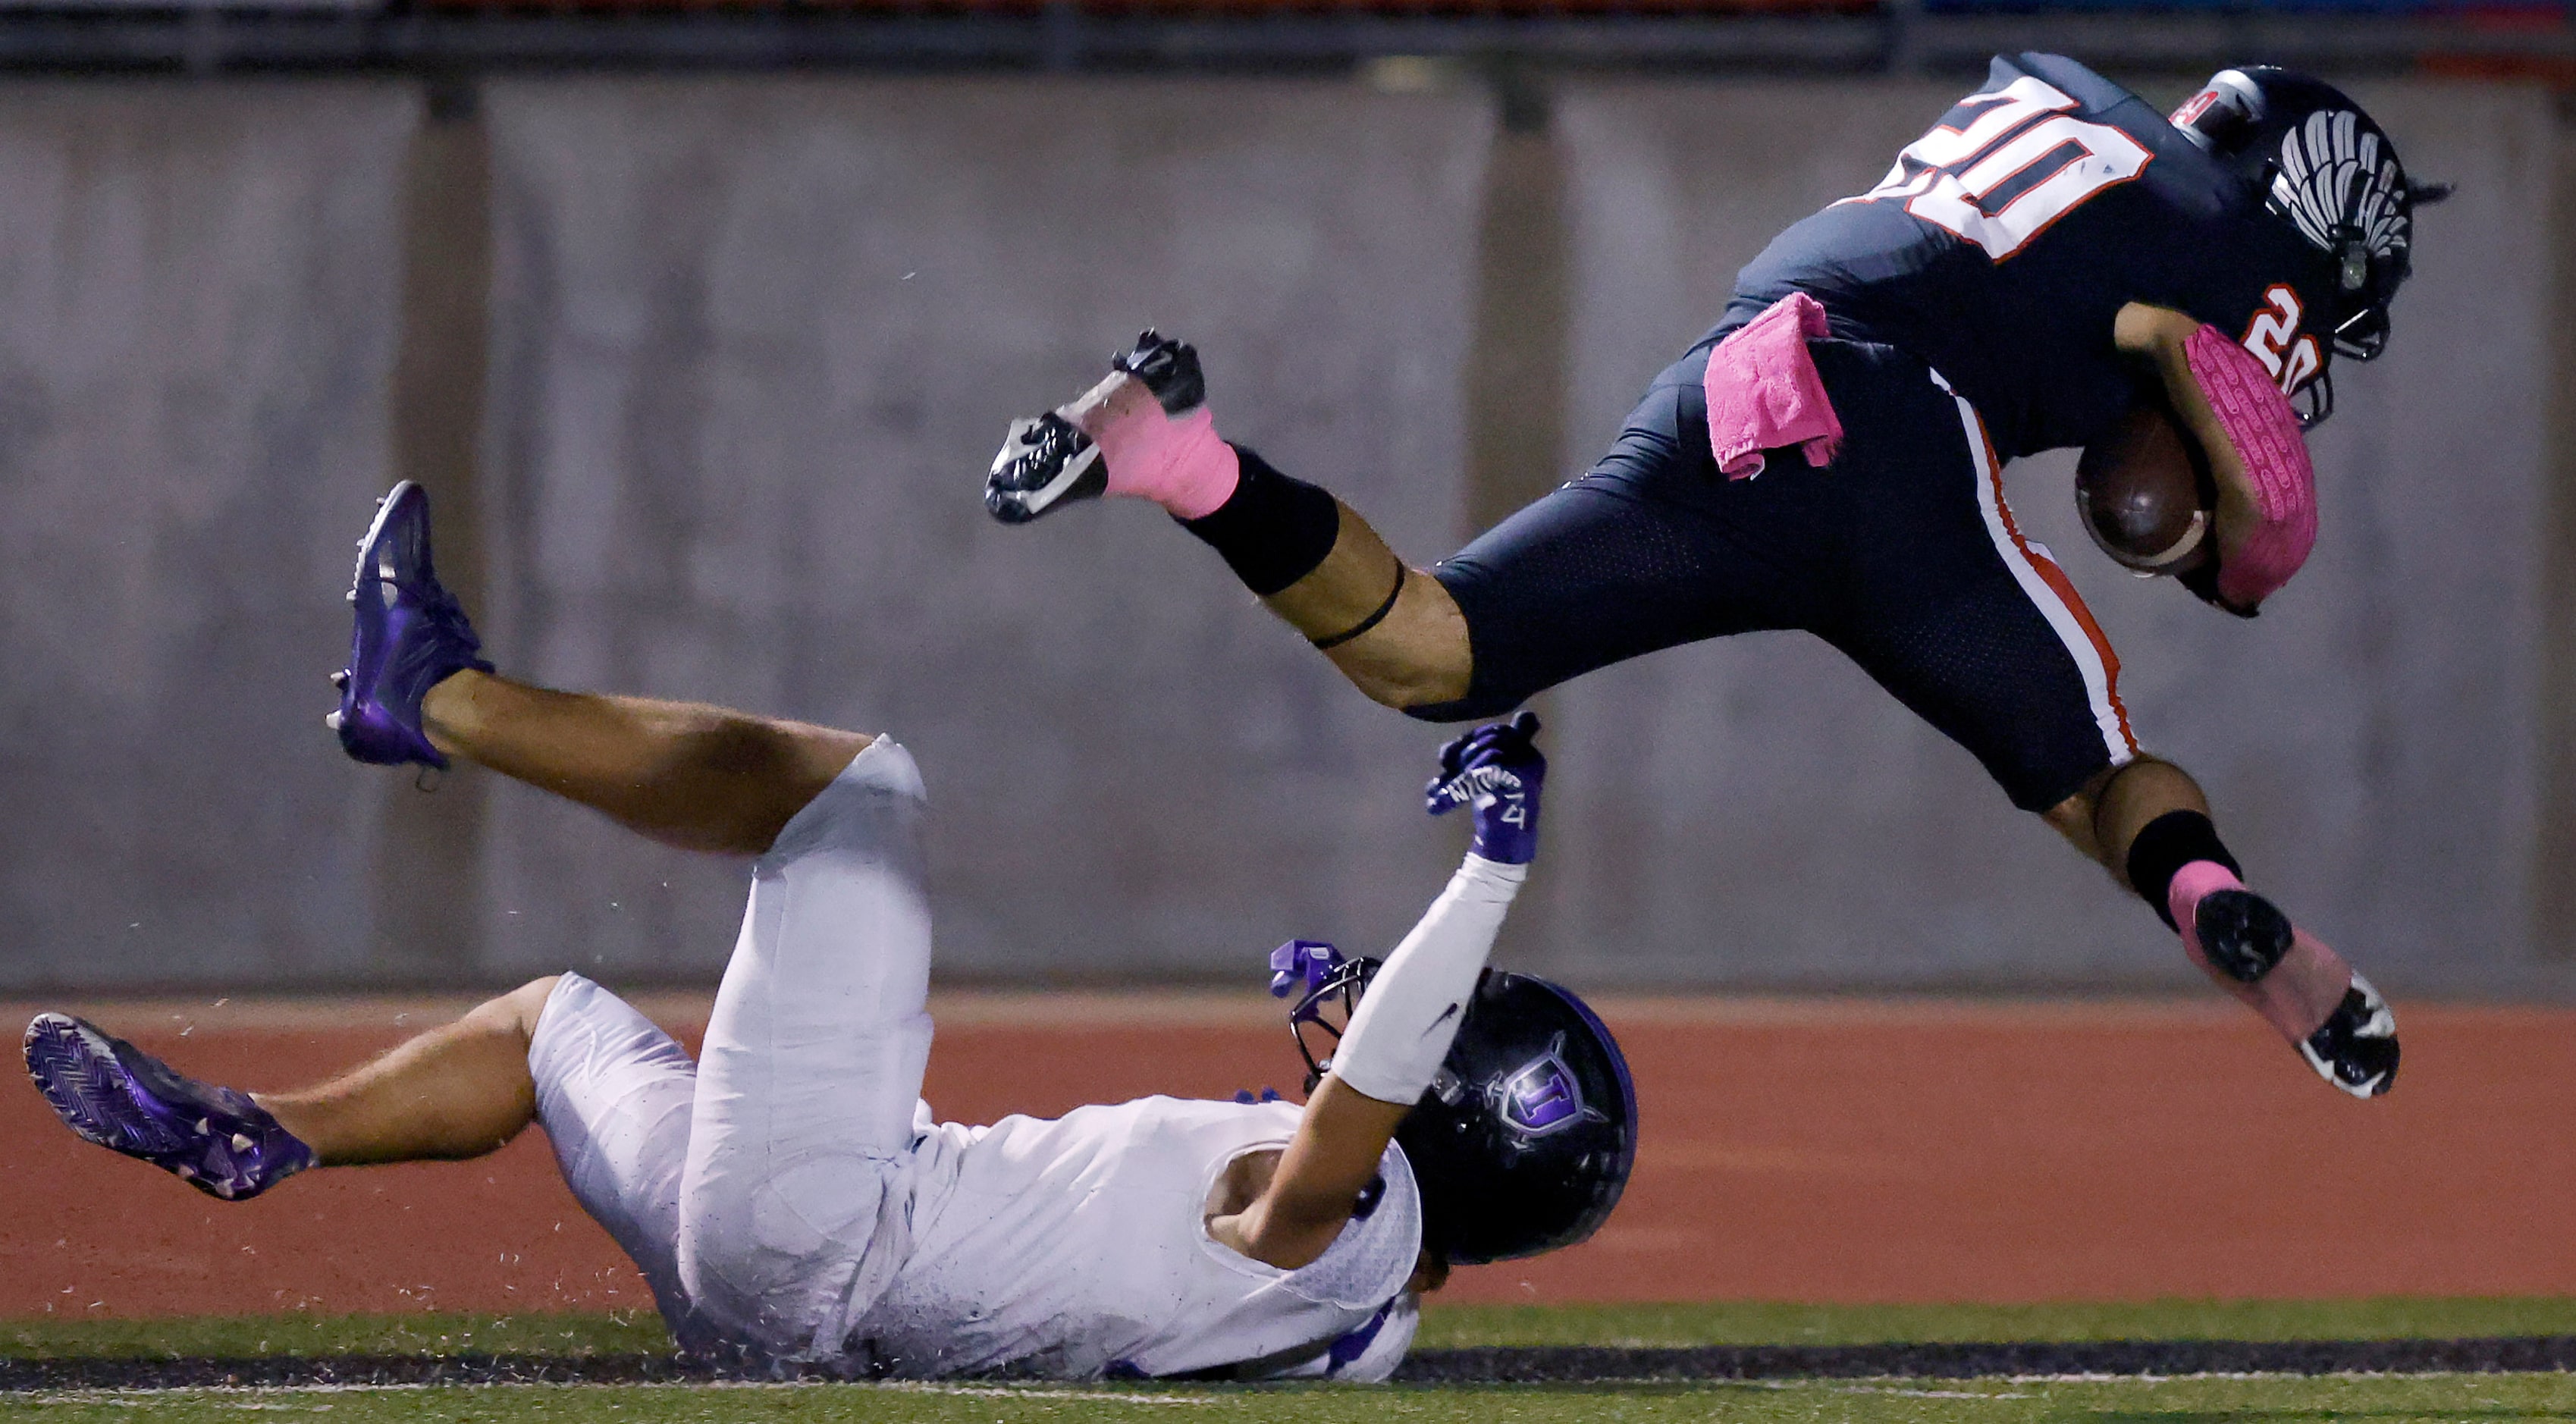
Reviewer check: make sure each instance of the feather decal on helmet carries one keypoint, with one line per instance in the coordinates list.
(2337, 181)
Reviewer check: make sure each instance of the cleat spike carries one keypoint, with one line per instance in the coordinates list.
(340, 679)
(241, 1142)
(2242, 933)
(331, 719)
(2355, 1049)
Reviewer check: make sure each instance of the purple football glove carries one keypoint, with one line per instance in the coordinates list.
(1496, 769)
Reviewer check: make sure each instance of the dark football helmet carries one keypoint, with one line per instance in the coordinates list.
(2323, 167)
(1526, 1138)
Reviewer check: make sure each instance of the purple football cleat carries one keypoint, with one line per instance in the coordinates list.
(122, 1098)
(410, 634)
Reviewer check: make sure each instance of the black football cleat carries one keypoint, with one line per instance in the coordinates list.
(2356, 1048)
(1169, 368)
(1046, 461)
(2241, 932)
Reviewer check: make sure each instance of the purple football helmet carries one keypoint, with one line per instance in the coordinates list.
(1528, 1133)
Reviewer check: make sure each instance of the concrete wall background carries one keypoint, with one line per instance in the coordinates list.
(201, 321)
(757, 344)
(750, 343)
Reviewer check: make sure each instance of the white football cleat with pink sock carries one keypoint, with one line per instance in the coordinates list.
(1143, 431)
(2337, 1021)
(1044, 462)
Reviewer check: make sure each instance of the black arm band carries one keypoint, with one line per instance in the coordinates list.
(1371, 621)
(2167, 844)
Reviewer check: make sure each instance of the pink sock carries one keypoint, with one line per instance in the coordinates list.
(2299, 993)
(1179, 464)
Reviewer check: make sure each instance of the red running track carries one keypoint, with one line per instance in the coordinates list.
(1864, 1151)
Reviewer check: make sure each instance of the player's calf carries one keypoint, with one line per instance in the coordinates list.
(2337, 1021)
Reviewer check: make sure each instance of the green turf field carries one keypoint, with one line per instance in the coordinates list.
(1728, 1323)
(2196, 1400)
(2381, 1400)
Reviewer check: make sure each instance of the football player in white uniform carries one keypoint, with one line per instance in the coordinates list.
(790, 1198)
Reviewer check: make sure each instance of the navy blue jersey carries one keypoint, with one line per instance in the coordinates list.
(2002, 243)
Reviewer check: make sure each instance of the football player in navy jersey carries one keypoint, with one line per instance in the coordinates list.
(2050, 256)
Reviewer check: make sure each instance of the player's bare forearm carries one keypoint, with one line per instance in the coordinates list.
(1339, 1142)
(1414, 654)
(2157, 336)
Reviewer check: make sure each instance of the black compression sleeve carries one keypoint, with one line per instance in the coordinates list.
(2167, 844)
(1272, 530)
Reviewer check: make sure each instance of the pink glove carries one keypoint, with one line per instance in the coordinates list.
(2265, 431)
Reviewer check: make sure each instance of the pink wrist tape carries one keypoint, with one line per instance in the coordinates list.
(1764, 393)
(2299, 993)
(1179, 463)
(2265, 431)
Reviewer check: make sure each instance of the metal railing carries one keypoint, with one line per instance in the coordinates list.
(1728, 36)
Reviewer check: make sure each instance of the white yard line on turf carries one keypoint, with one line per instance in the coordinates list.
(1891, 1388)
(151, 1394)
(2265, 1375)
(1836, 1387)
(1004, 1391)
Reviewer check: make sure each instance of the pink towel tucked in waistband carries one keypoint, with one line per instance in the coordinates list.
(1763, 391)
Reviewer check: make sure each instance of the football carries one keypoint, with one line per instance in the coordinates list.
(2145, 493)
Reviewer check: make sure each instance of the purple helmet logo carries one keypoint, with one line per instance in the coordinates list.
(1542, 1096)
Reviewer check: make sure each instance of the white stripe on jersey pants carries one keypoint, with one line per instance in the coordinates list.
(2046, 585)
(759, 1216)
